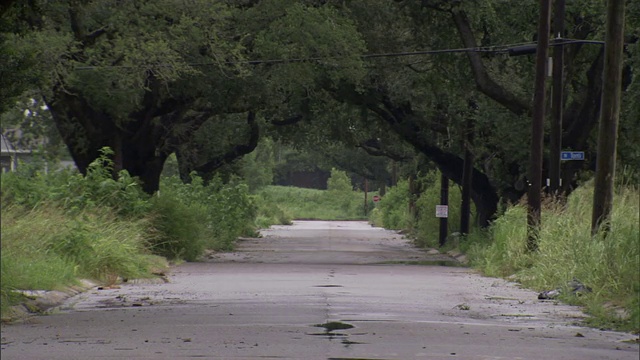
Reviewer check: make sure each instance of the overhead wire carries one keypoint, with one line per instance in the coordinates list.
(495, 49)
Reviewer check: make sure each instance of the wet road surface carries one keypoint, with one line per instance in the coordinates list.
(315, 290)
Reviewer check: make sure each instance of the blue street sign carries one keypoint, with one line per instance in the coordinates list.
(572, 155)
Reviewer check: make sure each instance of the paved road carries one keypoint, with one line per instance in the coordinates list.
(270, 299)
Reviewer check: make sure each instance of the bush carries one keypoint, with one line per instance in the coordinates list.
(269, 212)
(180, 230)
(99, 188)
(222, 213)
(392, 211)
(302, 203)
(60, 226)
(427, 225)
(339, 182)
(257, 167)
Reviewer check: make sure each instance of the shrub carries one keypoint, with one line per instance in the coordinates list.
(392, 211)
(222, 213)
(302, 203)
(427, 225)
(257, 167)
(99, 188)
(180, 229)
(339, 182)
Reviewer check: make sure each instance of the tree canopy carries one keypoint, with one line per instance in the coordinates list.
(206, 79)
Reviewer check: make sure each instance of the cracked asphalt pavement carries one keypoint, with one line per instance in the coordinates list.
(315, 290)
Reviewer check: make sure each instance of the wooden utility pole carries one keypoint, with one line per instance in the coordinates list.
(609, 116)
(444, 200)
(366, 200)
(537, 128)
(555, 142)
(467, 177)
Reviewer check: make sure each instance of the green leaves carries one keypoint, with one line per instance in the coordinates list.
(312, 43)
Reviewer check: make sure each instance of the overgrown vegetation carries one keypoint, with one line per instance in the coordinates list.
(608, 265)
(393, 210)
(339, 202)
(62, 226)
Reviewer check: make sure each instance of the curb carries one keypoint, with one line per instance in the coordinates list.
(38, 302)
(460, 257)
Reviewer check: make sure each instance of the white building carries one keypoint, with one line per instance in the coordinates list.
(9, 156)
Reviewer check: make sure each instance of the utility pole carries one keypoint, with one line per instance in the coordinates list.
(609, 116)
(557, 106)
(366, 201)
(537, 128)
(467, 175)
(444, 200)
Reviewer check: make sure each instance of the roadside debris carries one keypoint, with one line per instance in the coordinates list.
(576, 287)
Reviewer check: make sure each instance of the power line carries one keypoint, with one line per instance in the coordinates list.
(496, 49)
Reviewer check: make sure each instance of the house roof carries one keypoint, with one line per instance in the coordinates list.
(7, 148)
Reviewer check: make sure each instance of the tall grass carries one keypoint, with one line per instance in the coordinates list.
(314, 204)
(46, 248)
(62, 226)
(393, 210)
(607, 264)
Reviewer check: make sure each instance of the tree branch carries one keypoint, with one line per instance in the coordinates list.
(289, 121)
(374, 147)
(237, 151)
(483, 81)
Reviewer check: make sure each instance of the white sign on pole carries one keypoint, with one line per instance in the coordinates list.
(442, 211)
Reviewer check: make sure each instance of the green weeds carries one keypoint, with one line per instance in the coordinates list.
(62, 226)
(392, 212)
(313, 204)
(280, 204)
(608, 265)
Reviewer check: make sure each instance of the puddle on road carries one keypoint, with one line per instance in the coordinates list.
(328, 286)
(334, 325)
(341, 358)
(330, 327)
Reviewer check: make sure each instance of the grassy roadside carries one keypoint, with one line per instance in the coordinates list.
(567, 251)
(313, 204)
(47, 249)
(60, 227)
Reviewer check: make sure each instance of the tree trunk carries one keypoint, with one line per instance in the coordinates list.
(85, 131)
(405, 125)
(141, 159)
(467, 178)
